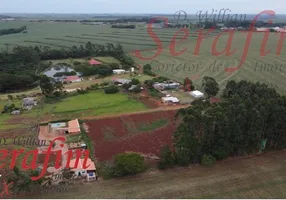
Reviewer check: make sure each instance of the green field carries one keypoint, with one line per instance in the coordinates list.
(259, 177)
(85, 105)
(57, 35)
(205, 60)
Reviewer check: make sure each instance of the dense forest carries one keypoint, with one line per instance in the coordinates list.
(12, 30)
(18, 68)
(249, 118)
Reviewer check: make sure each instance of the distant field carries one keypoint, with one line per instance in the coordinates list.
(64, 35)
(275, 78)
(261, 177)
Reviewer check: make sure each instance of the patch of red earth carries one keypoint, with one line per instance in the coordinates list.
(143, 142)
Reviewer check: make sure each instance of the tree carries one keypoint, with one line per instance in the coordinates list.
(167, 158)
(207, 160)
(210, 86)
(128, 164)
(135, 81)
(46, 85)
(10, 97)
(111, 89)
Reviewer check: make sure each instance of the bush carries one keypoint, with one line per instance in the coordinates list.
(134, 81)
(208, 160)
(111, 89)
(114, 65)
(167, 158)
(76, 63)
(128, 164)
(137, 89)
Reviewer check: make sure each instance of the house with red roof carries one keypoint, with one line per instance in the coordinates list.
(94, 62)
(72, 79)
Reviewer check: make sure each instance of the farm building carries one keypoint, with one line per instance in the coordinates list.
(170, 100)
(121, 81)
(164, 86)
(94, 62)
(53, 130)
(262, 29)
(118, 71)
(197, 94)
(16, 112)
(29, 103)
(72, 79)
(79, 171)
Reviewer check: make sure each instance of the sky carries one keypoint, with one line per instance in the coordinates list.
(140, 6)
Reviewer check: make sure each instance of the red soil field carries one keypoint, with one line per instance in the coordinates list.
(120, 134)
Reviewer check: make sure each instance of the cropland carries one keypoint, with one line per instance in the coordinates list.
(256, 177)
(269, 69)
(144, 133)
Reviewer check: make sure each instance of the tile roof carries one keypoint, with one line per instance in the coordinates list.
(94, 62)
(73, 126)
(72, 78)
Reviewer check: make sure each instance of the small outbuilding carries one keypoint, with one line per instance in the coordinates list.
(197, 94)
(119, 71)
(170, 100)
(16, 112)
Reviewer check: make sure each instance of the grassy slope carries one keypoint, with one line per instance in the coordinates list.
(228, 179)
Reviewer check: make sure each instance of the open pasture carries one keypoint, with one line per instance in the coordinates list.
(144, 133)
(272, 72)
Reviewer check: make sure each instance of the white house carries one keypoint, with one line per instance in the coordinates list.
(89, 173)
(197, 94)
(118, 71)
(170, 100)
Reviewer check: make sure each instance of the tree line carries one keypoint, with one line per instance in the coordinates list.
(249, 118)
(18, 68)
(124, 26)
(12, 30)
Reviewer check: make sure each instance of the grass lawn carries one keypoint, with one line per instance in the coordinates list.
(94, 103)
(153, 126)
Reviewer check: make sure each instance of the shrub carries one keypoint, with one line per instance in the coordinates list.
(208, 160)
(114, 65)
(137, 89)
(76, 63)
(134, 81)
(167, 158)
(111, 89)
(128, 164)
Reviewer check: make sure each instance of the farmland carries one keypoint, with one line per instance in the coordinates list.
(65, 35)
(90, 104)
(205, 60)
(257, 177)
(145, 133)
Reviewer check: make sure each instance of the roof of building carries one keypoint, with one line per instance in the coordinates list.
(173, 99)
(196, 93)
(73, 126)
(121, 80)
(72, 78)
(94, 62)
(89, 163)
(118, 70)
